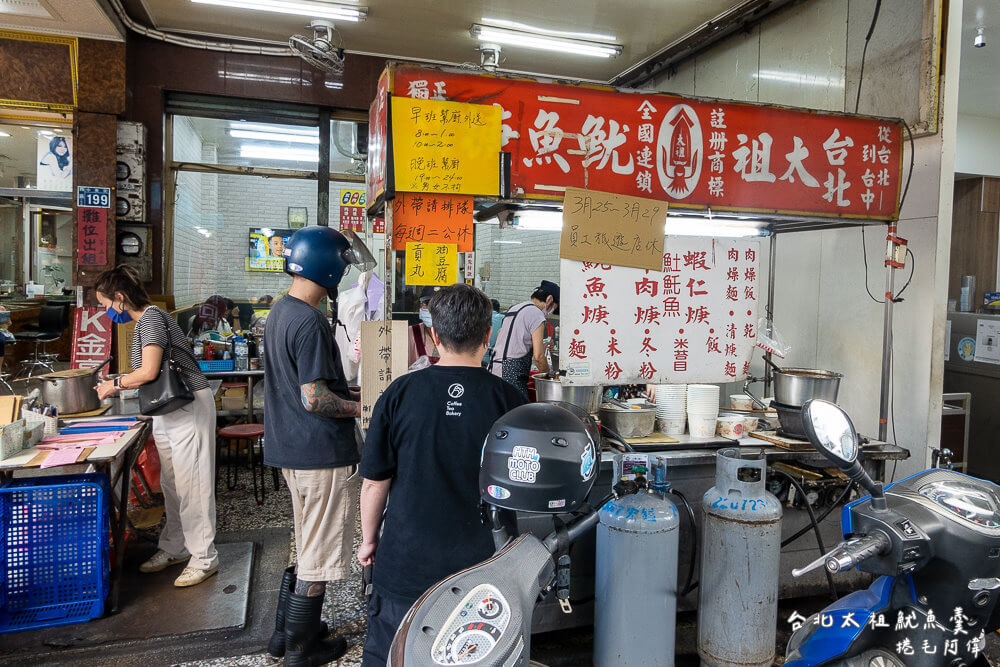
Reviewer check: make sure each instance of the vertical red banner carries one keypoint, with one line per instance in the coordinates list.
(92, 236)
(91, 338)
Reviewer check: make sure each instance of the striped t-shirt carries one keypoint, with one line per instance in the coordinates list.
(152, 329)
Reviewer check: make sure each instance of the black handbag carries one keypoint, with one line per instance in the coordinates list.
(168, 391)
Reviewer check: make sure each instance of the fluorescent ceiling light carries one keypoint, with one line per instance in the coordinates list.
(47, 133)
(485, 33)
(276, 129)
(265, 152)
(311, 8)
(800, 78)
(538, 220)
(678, 226)
(274, 136)
(506, 243)
(504, 23)
(4, 134)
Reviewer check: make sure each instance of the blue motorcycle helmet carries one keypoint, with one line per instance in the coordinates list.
(323, 255)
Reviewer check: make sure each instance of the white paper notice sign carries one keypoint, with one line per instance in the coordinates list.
(695, 321)
(987, 342)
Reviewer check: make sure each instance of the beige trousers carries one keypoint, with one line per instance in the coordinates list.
(185, 441)
(325, 503)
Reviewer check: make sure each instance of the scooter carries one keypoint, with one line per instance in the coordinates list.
(932, 539)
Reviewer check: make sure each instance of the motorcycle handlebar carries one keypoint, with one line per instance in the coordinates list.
(853, 552)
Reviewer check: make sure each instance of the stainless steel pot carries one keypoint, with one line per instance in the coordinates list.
(587, 397)
(794, 386)
(629, 422)
(71, 394)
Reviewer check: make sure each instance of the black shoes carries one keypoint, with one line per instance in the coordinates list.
(276, 645)
(303, 645)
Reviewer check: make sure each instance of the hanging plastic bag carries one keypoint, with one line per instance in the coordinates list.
(423, 361)
(350, 314)
(769, 338)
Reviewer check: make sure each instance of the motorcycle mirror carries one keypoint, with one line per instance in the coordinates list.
(832, 433)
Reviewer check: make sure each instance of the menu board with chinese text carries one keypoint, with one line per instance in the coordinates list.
(431, 264)
(441, 146)
(383, 351)
(695, 321)
(434, 218)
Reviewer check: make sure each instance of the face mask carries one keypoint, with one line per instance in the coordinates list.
(425, 317)
(118, 317)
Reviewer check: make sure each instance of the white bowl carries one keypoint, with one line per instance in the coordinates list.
(671, 425)
(701, 426)
(741, 402)
(730, 426)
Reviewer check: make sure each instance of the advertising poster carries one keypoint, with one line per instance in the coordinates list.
(54, 169)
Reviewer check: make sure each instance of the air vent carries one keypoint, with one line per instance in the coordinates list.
(32, 8)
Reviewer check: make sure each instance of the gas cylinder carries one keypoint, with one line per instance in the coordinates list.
(741, 544)
(635, 581)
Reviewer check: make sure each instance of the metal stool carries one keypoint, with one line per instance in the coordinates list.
(251, 437)
(52, 322)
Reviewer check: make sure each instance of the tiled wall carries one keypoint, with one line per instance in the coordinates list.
(518, 265)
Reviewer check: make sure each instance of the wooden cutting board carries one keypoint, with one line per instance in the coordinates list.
(791, 444)
(655, 438)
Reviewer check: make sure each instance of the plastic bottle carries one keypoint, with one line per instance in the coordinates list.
(242, 353)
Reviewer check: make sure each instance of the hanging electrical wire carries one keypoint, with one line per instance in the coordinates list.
(864, 53)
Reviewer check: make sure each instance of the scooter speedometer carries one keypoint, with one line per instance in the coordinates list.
(473, 628)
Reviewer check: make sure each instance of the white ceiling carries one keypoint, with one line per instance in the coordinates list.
(979, 83)
(439, 31)
(77, 18)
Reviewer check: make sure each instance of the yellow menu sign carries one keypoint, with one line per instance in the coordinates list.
(441, 146)
(431, 263)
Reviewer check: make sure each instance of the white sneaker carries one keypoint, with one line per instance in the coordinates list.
(161, 560)
(192, 576)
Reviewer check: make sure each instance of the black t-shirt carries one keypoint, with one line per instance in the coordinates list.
(298, 349)
(427, 434)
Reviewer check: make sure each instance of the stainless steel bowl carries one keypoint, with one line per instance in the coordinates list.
(587, 397)
(629, 423)
(794, 386)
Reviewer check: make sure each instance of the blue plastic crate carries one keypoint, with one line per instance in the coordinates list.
(217, 365)
(53, 550)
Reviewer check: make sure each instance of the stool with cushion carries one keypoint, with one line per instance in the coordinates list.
(250, 437)
(52, 322)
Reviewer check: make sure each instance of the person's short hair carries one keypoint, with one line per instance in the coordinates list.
(496, 305)
(124, 279)
(462, 316)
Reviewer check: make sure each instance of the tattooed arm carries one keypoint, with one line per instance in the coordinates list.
(318, 398)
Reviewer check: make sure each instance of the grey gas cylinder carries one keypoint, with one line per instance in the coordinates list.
(635, 581)
(741, 544)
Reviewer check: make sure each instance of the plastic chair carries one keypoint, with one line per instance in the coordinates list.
(249, 437)
(52, 322)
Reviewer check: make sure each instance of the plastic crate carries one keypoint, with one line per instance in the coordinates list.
(217, 365)
(54, 538)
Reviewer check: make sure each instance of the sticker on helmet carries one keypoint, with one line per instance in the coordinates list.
(294, 267)
(556, 504)
(523, 465)
(498, 492)
(587, 460)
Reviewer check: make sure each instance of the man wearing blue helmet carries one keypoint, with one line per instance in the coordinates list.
(309, 431)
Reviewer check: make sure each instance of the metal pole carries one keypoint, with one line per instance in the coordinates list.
(883, 411)
(771, 259)
(323, 170)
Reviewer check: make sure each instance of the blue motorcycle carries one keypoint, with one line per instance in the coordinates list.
(932, 539)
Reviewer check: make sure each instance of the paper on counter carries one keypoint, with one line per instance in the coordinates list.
(987, 342)
(61, 457)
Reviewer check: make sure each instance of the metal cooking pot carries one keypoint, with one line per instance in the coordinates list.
(794, 386)
(629, 422)
(587, 397)
(74, 393)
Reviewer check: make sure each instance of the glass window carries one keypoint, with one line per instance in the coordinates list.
(233, 142)
(52, 251)
(348, 147)
(39, 157)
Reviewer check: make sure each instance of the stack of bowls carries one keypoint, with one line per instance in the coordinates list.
(702, 409)
(671, 408)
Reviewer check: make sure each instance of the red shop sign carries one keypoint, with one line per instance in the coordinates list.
(92, 236)
(690, 152)
(377, 144)
(91, 338)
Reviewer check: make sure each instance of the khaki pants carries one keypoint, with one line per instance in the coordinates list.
(185, 441)
(324, 502)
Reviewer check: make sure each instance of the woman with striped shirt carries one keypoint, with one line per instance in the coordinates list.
(185, 438)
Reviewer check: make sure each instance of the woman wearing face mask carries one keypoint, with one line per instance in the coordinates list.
(185, 438)
(521, 338)
(421, 343)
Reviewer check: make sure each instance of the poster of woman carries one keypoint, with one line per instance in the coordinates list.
(55, 163)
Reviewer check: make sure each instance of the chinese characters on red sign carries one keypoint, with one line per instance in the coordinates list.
(432, 218)
(92, 236)
(695, 321)
(352, 210)
(91, 338)
(378, 120)
(700, 153)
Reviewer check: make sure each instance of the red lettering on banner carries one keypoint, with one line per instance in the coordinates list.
(91, 338)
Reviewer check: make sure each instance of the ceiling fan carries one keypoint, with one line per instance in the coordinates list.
(324, 51)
